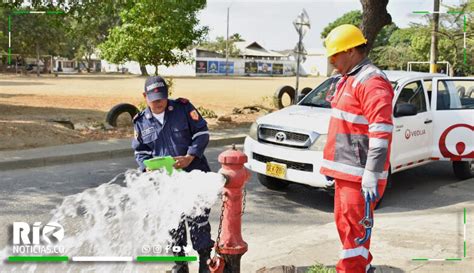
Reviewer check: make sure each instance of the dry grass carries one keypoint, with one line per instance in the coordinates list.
(27, 102)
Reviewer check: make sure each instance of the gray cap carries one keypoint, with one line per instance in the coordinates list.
(156, 88)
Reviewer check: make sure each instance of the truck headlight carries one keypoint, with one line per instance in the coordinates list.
(253, 132)
(319, 144)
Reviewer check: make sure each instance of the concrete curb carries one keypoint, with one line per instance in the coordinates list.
(89, 151)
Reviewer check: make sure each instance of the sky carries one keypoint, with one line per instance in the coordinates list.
(269, 22)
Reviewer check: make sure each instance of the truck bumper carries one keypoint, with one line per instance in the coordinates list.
(302, 165)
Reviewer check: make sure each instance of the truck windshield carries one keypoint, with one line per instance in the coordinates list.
(317, 97)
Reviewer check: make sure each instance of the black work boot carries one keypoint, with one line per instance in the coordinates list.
(180, 267)
(204, 255)
(371, 270)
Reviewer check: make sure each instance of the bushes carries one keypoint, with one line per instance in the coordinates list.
(206, 113)
(319, 268)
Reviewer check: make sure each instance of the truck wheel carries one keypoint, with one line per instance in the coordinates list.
(277, 97)
(463, 169)
(119, 109)
(272, 182)
(306, 90)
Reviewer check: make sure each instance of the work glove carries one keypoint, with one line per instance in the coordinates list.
(369, 186)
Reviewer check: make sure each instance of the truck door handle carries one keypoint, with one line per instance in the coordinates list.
(428, 121)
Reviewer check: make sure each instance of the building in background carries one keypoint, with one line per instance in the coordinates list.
(65, 65)
(253, 60)
(317, 64)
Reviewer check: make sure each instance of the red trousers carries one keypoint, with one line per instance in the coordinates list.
(349, 209)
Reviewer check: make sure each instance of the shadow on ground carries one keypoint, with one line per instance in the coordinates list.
(21, 83)
(425, 187)
(302, 195)
(21, 112)
(430, 186)
(8, 96)
(96, 77)
(24, 127)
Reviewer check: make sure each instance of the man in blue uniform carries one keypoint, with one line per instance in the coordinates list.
(175, 128)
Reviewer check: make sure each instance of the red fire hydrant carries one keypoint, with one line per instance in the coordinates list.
(230, 244)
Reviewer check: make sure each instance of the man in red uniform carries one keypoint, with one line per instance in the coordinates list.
(357, 151)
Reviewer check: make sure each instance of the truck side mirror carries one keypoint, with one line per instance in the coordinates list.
(405, 109)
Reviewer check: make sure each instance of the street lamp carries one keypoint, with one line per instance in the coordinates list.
(302, 26)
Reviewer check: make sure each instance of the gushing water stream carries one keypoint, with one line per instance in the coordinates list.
(120, 218)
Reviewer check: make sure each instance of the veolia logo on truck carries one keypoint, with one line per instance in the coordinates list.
(458, 143)
(409, 133)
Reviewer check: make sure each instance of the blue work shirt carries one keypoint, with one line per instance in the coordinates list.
(183, 132)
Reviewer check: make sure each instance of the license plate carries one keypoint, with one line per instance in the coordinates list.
(276, 169)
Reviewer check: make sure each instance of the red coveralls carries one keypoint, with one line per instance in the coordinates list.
(359, 137)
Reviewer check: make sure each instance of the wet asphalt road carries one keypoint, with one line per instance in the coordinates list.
(29, 195)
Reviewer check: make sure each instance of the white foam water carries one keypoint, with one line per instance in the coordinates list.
(119, 218)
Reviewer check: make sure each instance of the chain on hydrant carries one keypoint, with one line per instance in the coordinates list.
(216, 264)
(230, 245)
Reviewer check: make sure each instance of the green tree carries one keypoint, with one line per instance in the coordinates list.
(34, 35)
(3, 31)
(404, 45)
(413, 43)
(451, 38)
(219, 45)
(355, 18)
(89, 26)
(236, 37)
(155, 33)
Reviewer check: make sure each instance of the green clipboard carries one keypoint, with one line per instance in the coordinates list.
(157, 163)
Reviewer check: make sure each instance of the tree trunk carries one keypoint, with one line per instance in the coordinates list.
(88, 63)
(374, 18)
(143, 70)
(434, 39)
(45, 65)
(156, 70)
(454, 66)
(37, 60)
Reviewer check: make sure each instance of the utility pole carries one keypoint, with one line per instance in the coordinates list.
(298, 60)
(227, 46)
(434, 38)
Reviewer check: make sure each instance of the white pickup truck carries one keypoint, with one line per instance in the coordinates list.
(433, 120)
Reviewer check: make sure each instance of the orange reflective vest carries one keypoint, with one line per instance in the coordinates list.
(360, 129)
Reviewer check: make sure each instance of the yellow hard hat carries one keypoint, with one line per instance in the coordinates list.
(342, 38)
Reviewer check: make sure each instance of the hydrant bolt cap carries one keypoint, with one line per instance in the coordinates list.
(232, 156)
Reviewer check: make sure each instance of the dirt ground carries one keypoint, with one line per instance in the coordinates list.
(31, 107)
